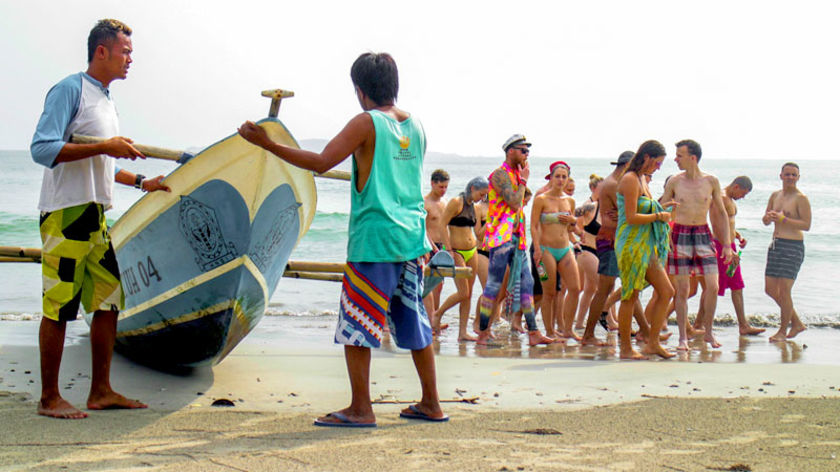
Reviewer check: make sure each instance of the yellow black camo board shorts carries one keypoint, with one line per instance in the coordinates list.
(78, 263)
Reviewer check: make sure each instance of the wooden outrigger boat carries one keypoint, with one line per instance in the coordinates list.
(199, 264)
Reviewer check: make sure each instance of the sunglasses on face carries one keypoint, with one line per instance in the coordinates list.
(523, 150)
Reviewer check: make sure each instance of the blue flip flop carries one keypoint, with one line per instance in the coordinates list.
(344, 422)
(416, 414)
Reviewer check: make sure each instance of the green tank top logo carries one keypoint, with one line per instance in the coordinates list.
(405, 153)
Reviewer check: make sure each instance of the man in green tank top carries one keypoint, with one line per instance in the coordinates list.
(383, 278)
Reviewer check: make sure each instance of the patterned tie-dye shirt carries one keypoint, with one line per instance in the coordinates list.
(502, 220)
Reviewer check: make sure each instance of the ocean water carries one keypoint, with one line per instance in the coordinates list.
(814, 293)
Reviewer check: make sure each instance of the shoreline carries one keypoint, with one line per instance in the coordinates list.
(613, 415)
(315, 334)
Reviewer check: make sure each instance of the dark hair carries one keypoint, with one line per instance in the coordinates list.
(744, 182)
(792, 164)
(376, 75)
(652, 149)
(693, 147)
(440, 175)
(104, 33)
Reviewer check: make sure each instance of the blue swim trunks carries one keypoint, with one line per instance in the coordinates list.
(607, 262)
(374, 293)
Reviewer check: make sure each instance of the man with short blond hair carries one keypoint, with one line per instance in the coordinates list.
(790, 211)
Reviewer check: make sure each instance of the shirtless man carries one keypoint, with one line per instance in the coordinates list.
(790, 210)
(604, 242)
(434, 204)
(738, 189)
(699, 197)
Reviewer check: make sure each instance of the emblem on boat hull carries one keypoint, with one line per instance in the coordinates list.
(265, 252)
(201, 228)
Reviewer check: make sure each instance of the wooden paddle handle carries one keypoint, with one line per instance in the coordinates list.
(148, 151)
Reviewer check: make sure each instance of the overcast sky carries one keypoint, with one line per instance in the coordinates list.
(581, 79)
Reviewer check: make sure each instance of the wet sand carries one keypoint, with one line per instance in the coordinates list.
(561, 413)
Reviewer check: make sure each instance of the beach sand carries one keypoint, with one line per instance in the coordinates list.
(530, 413)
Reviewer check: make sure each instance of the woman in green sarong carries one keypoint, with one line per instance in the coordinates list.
(641, 247)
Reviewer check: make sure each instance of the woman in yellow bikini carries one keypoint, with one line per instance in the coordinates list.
(552, 219)
(641, 245)
(461, 242)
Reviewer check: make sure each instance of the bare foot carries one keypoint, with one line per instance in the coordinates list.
(517, 328)
(794, 330)
(572, 335)
(633, 355)
(694, 332)
(665, 336)
(580, 327)
(659, 351)
(593, 341)
(535, 337)
(60, 408)
(749, 330)
(777, 338)
(483, 337)
(709, 338)
(466, 337)
(440, 327)
(683, 345)
(113, 401)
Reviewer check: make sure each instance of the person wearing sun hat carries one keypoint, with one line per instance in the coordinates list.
(505, 239)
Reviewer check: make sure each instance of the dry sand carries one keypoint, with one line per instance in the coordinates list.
(531, 414)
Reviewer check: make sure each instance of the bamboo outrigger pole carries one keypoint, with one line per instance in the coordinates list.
(312, 270)
(182, 156)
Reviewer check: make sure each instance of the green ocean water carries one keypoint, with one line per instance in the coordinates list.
(815, 292)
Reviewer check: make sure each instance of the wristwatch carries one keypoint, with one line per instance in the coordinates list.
(138, 181)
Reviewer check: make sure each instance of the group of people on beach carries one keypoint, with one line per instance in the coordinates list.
(622, 232)
(388, 244)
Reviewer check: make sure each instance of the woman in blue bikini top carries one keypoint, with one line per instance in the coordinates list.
(552, 220)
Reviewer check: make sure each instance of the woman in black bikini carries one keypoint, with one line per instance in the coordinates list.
(589, 223)
(460, 241)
